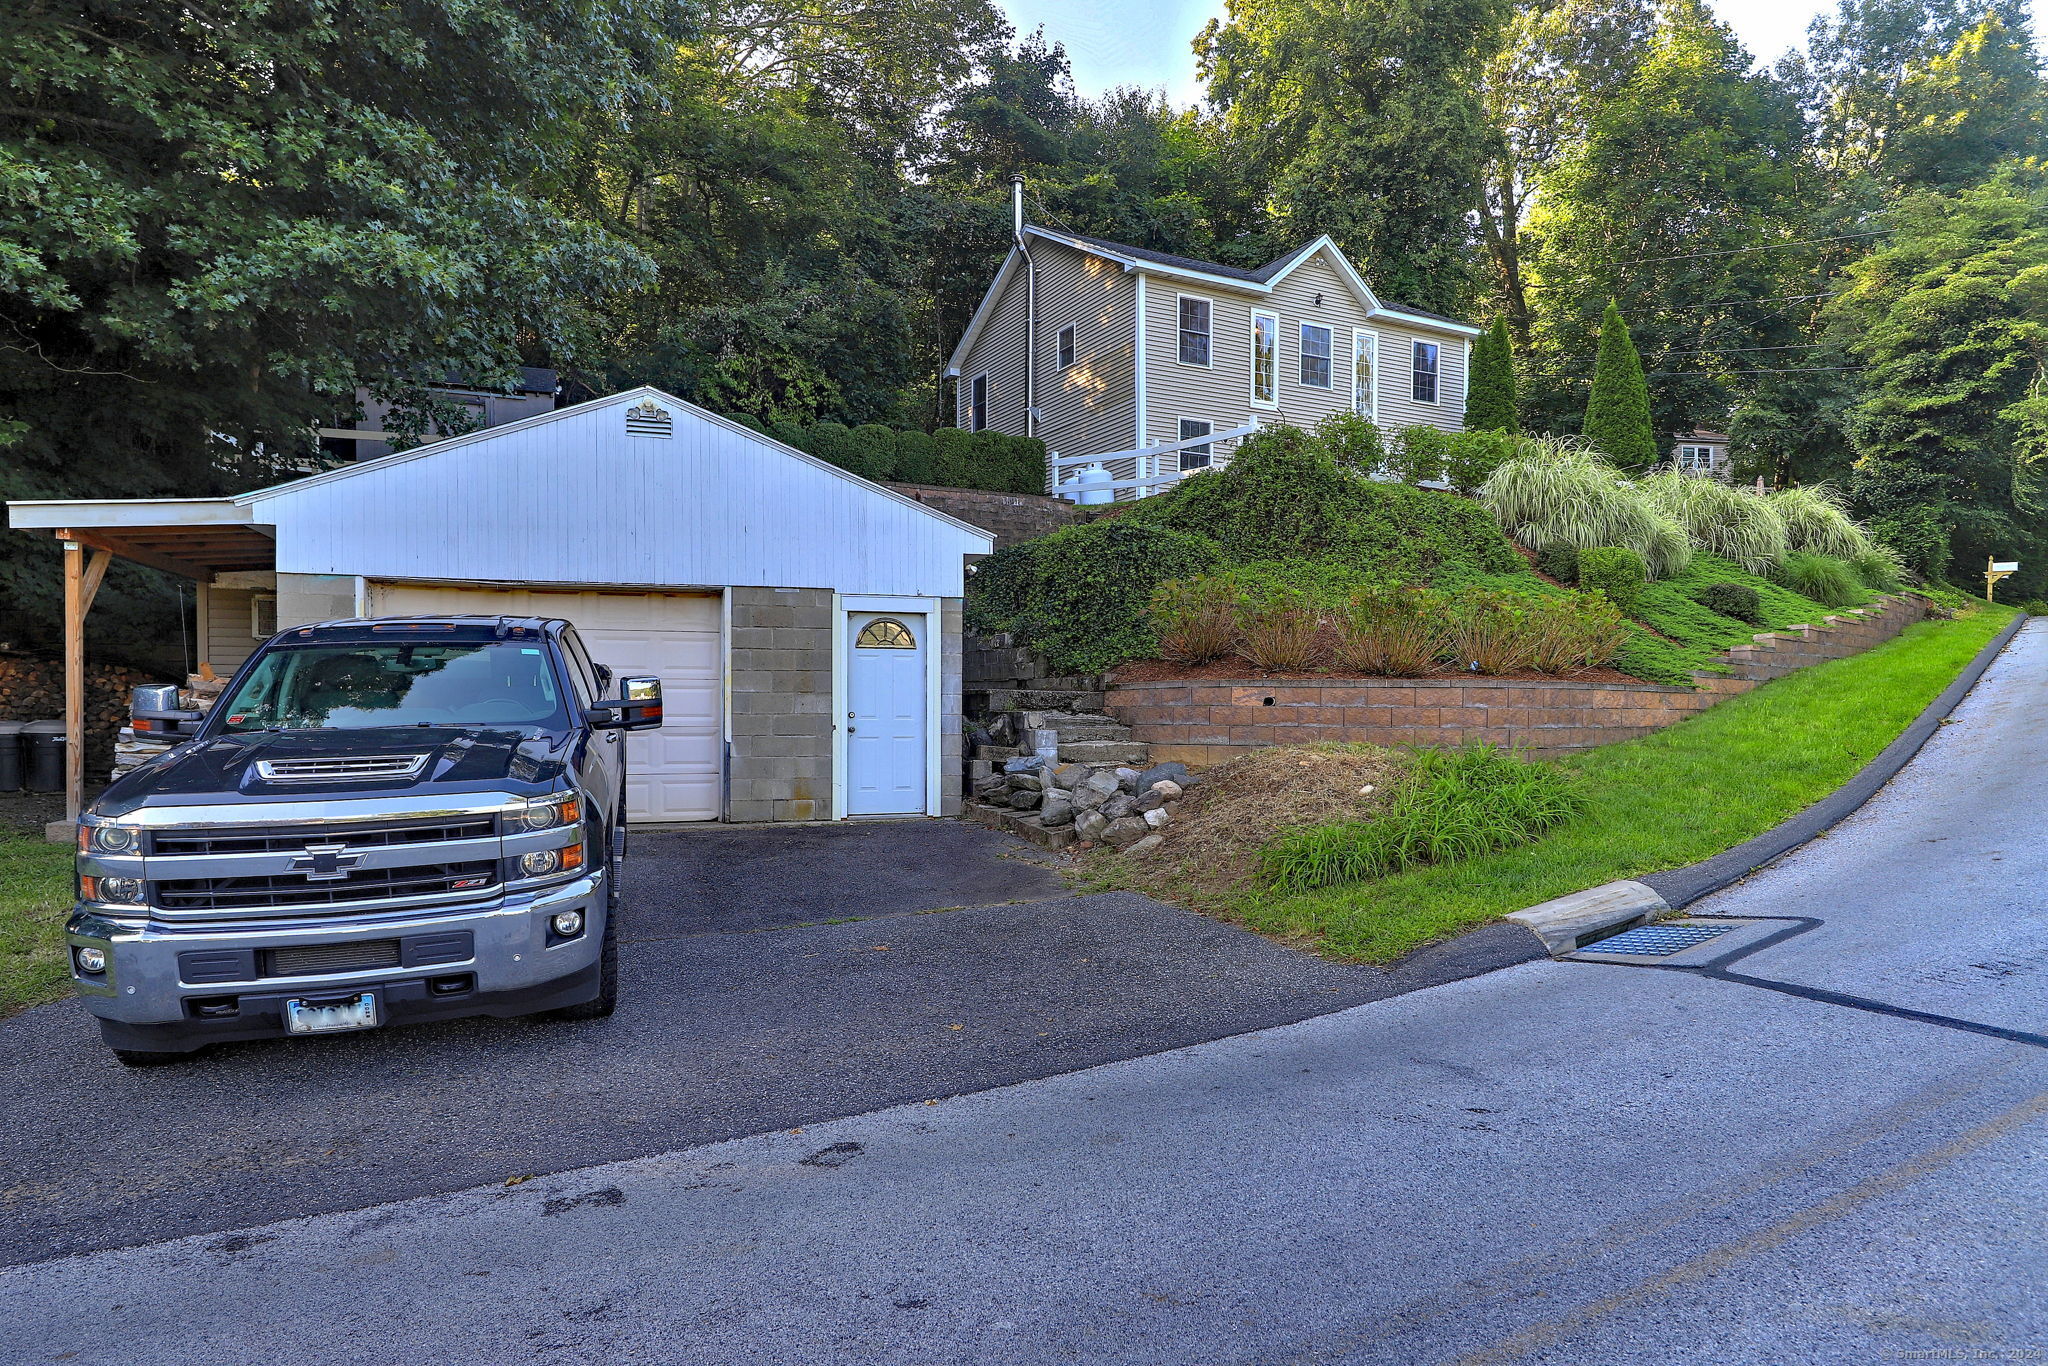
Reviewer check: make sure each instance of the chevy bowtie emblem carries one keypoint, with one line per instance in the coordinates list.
(325, 862)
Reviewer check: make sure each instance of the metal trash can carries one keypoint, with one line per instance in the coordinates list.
(42, 753)
(10, 756)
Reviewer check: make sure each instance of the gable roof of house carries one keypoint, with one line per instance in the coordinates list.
(1260, 278)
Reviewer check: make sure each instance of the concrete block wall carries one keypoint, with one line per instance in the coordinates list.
(781, 691)
(952, 757)
(1011, 517)
(1202, 723)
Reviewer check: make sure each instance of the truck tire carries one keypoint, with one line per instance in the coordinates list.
(137, 1057)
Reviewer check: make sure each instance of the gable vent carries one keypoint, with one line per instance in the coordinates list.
(648, 418)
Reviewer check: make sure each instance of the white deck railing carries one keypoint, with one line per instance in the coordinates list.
(1138, 473)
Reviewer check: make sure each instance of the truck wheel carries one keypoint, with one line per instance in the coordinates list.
(136, 1057)
(607, 999)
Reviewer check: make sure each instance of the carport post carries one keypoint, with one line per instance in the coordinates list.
(81, 583)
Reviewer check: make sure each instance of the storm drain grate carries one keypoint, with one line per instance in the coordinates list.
(1656, 941)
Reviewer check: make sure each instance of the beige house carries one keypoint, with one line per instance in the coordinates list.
(1131, 348)
(1703, 452)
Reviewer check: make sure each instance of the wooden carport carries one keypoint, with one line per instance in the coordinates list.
(194, 538)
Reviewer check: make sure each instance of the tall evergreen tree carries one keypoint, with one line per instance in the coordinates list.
(1491, 403)
(1618, 410)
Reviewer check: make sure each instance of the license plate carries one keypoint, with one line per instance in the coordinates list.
(331, 1016)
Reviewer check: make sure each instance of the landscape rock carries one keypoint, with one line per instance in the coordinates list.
(1069, 776)
(1167, 788)
(1121, 834)
(1157, 818)
(1090, 825)
(1151, 799)
(1173, 771)
(1056, 809)
(1120, 805)
(1031, 782)
(1145, 846)
(1024, 798)
(1127, 779)
(1002, 728)
(1023, 763)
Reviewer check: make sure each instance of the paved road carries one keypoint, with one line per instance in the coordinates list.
(959, 964)
(1565, 1162)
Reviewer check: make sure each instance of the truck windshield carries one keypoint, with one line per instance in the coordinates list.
(352, 687)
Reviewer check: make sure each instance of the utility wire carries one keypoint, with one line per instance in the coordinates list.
(1737, 251)
(1790, 370)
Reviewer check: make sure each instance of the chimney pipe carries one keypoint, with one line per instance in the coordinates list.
(1017, 207)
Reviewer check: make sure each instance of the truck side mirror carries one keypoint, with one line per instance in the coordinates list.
(637, 707)
(155, 717)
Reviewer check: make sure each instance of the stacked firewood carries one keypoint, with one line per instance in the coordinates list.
(32, 689)
(195, 694)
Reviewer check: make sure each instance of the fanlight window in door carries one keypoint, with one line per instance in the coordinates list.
(884, 634)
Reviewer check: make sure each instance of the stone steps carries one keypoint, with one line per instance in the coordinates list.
(989, 701)
(1070, 725)
(1131, 753)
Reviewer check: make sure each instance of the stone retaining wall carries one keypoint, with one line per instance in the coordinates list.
(1201, 722)
(1012, 517)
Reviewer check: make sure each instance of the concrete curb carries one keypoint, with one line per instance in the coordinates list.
(1568, 923)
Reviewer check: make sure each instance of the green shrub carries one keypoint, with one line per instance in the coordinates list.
(1451, 805)
(1418, 455)
(1355, 443)
(1284, 497)
(1920, 538)
(1491, 403)
(2035, 607)
(831, 442)
(1618, 407)
(1560, 560)
(1081, 595)
(749, 421)
(874, 451)
(1328, 583)
(1553, 490)
(1470, 458)
(1005, 464)
(1571, 632)
(916, 457)
(1726, 519)
(1614, 570)
(1737, 600)
(1279, 630)
(1827, 581)
(1816, 522)
(1195, 619)
(1879, 568)
(953, 454)
(1392, 630)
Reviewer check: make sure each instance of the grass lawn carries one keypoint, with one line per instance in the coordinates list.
(35, 898)
(1662, 801)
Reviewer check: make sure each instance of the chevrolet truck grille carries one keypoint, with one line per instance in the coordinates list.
(292, 890)
(291, 839)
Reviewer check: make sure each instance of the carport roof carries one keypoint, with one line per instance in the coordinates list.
(193, 537)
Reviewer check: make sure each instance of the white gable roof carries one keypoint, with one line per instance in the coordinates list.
(574, 497)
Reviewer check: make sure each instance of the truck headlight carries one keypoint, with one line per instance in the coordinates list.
(112, 891)
(109, 839)
(548, 815)
(542, 862)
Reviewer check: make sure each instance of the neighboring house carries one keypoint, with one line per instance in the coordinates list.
(1131, 347)
(805, 622)
(474, 409)
(1702, 452)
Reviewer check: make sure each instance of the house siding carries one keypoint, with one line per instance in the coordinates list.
(998, 352)
(1221, 393)
(1091, 405)
(225, 640)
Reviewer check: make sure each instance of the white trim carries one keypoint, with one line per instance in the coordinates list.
(1178, 299)
(257, 496)
(1252, 378)
(1138, 362)
(1465, 380)
(1456, 329)
(933, 645)
(1344, 267)
(1181, 438)
(35, 513)
(981, 314)
(1070, 337)
(1301, 354)
(1372, 397)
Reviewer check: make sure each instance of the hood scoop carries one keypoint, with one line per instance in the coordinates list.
(380, 766)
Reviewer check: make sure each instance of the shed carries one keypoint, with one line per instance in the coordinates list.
(805, 622)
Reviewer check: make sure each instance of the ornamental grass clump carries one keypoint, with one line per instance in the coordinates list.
(1279, 631)
(1453, 804)
(1554, 491)
(1827, 581)
(1491, 632)
(1726, 519)
(1880, 568)
(1401, 632)
(1195, 619)
(1569, 633)
(1817, 523)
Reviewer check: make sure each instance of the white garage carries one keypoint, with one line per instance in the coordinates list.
(805, 623)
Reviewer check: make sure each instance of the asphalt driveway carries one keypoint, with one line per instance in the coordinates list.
(958, 964)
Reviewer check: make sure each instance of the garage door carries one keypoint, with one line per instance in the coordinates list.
(671, 774)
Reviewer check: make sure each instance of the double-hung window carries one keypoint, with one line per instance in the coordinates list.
(1195, 319)
(1427, 356)
(1265, 358)
(1315, 356)
(1194, 457)
(977, 404)
(1697, 458)
(1066, 346)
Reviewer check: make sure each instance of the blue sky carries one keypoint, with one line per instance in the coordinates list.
(1145, 42)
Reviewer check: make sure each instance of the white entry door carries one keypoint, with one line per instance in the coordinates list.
(885, 716)
(674, 773)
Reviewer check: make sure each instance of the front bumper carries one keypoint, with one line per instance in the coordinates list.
(515, 967)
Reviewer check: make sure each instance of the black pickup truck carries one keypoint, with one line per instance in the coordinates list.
(379, 821)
